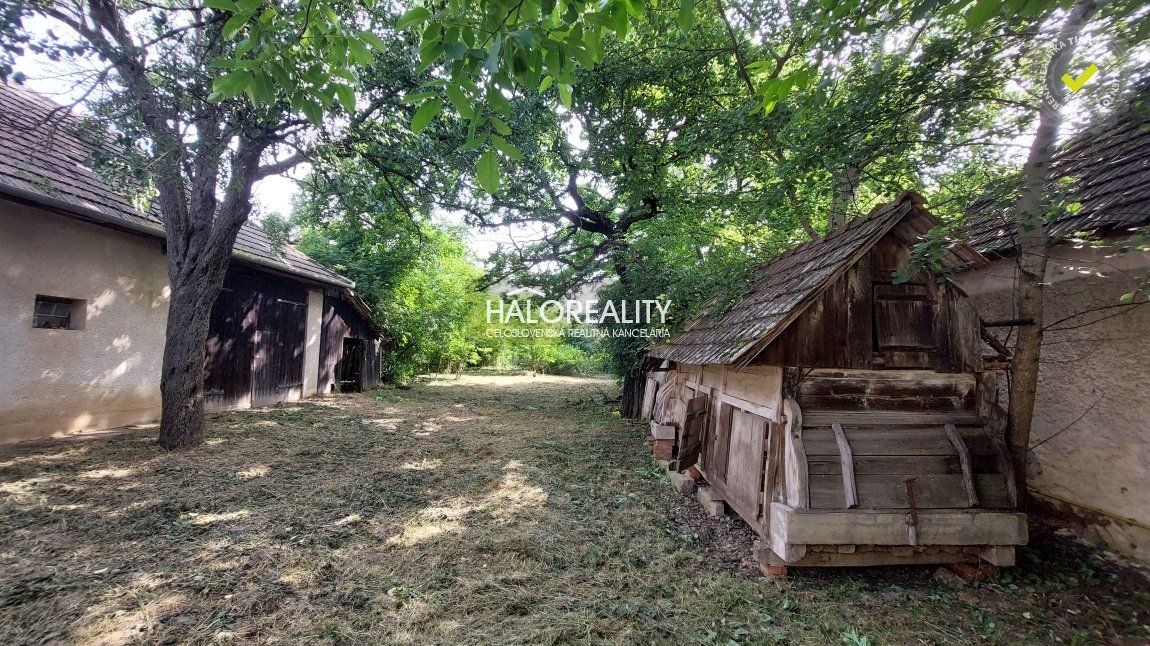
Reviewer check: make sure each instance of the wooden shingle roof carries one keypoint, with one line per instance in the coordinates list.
(1108, 166)
(785, 286)
(45, 152)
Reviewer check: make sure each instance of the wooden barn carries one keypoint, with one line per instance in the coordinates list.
(847, 418)
(349, 346)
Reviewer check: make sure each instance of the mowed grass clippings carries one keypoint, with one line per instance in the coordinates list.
(470, 510)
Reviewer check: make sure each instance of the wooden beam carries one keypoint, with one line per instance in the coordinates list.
(963, 461)
(1006, 468)
(850, 495)
(869, 527)
(891, 418)
(795, 462)
(1008, 323)
(766, 412)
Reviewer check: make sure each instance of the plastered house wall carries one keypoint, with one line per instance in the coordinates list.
(107, 374)
(1091, 431)
(55, 382)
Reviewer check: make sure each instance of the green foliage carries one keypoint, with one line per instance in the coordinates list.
(306, 54)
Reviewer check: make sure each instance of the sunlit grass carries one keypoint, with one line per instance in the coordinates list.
(475, 510)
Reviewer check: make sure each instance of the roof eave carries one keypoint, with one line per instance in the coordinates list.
(71, 209)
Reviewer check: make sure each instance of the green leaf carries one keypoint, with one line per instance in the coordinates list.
(359, 52)
(982, 11)
(493, 54)
(234, 25)
(346, 96)
(312, 110)
(425, 114)
(417, 97)
(686, 14)
(460, 100)
(232, 84)
(487, 171)
(373, 41)
(222, 5)
(621, 19)
(565, 95)
(547, 81)
(501, 126)
(506, 147)
(414, 16)
(473, 143)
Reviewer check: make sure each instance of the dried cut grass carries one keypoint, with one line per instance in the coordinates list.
(496, 509)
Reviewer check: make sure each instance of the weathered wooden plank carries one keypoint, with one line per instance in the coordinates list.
(761, 386)
(867, 527)
(773, 479)
(901, 464)
(846, 459)
(1006, 467)
(824, 419)
(964, 461)
(691, 438)
(876, 558)
(795, 462)
(894, 441)
(649, 391)
(745, 463)
(889, 491)
(766, 412)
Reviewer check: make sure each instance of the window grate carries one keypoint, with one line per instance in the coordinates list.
(54, 313)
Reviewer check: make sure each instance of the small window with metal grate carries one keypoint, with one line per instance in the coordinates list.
(56, 313)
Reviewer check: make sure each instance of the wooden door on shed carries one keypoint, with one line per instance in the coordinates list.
(904, 325)
(278, 374)
(744, 478)
(694, 425)
(228, 352)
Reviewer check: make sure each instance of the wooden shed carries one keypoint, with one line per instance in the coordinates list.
(349, 346)
(846, 417)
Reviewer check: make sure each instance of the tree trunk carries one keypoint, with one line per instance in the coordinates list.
(1033, 247)
(846, 184)
(194, 291)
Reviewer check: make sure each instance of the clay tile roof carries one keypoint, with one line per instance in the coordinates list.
(785, 285)
(1108, 166)
(47, 152)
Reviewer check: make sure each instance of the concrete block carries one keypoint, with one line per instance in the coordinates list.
(713, 505)
(681, 483)
(662, 431)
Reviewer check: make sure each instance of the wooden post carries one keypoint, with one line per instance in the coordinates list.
(798, 484)
(964, 462)
(848, 466)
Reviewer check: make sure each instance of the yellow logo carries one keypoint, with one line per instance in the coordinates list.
(1076, 84)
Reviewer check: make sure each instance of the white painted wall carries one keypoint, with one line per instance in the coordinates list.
(1093, 390)
(107, 374)
(312, 336)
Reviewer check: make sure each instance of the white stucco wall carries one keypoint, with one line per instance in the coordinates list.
(1092, 413)
(311, 342)
(107, 374)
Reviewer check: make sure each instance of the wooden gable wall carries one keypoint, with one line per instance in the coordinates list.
(865, 321)
(341, 321)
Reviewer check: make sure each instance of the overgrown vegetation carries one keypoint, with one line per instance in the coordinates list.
(479, 510)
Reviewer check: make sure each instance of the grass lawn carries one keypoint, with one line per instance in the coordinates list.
(478, 510)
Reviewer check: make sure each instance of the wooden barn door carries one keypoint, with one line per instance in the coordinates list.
(694, 425)
(228, 352)
(744, 475)
(278, 373)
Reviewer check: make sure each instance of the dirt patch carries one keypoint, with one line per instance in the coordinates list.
(481, 510)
